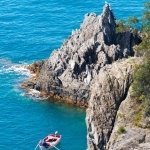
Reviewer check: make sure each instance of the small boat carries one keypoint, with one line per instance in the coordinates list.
(49, 142)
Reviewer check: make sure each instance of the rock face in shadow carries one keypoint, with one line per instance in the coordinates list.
(108, 90)
(133, 137)
(70, 70)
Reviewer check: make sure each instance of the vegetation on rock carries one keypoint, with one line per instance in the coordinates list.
(141, 84)
(121, 130)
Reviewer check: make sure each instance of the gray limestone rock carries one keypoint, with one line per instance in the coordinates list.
(108, 90)
(134, 137)
(76, 63)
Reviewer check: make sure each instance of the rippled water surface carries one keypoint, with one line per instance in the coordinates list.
(29, 31)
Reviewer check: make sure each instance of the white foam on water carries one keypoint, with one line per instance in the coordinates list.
(22, 94)
(6, 67)
(19, 69)
(34, 94)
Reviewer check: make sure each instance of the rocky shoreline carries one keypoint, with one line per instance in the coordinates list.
(56, 93)
(69, 72)
(92, 69)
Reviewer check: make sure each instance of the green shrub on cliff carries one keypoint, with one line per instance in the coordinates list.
(121, 130)
(141, 84)
(121, 26)
(130, 24)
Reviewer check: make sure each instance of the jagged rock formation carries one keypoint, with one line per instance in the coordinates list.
(70, 70)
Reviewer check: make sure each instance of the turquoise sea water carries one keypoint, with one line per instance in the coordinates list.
(29, 31)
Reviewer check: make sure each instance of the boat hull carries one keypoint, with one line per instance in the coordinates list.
(50, 145)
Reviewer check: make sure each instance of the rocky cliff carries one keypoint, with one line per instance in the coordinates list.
(135, 134)
(70, 70)
(111, 126)
(94, 68)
